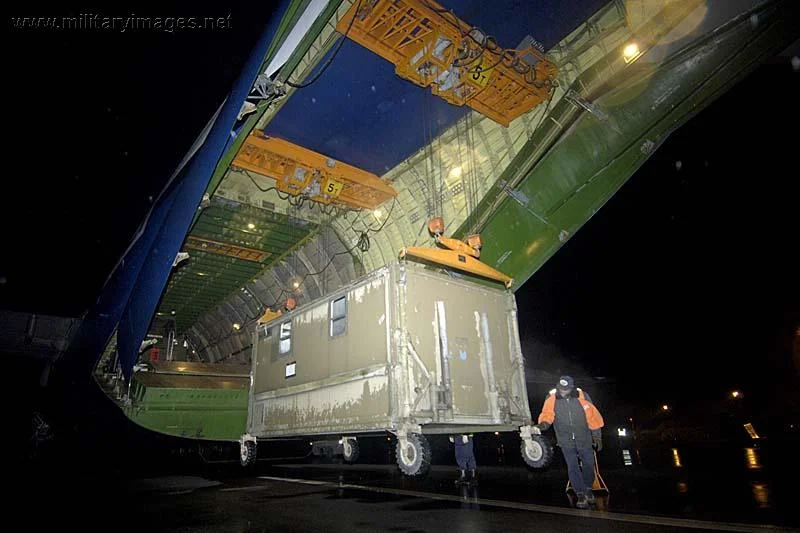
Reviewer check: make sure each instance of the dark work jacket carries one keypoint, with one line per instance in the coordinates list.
(572, 430)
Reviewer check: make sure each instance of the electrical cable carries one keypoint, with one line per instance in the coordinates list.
(333, 56)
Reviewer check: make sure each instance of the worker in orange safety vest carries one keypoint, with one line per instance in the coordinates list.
(577, 424)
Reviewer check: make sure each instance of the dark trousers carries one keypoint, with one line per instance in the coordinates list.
(581, 480)
(464, 455)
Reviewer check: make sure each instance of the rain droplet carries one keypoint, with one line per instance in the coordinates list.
(678, 165)
(313, 100)
(754, 19)
(373, 88)
(796, 63)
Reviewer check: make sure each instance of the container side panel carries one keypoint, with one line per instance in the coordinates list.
(358, 404)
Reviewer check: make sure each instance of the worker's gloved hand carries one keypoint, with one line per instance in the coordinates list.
(597, 441)
(544, 426)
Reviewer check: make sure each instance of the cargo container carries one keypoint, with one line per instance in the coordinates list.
(404, 350)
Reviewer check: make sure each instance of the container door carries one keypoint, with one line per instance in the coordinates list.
(462, 355)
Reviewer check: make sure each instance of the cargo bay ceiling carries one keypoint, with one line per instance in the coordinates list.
(252, 246)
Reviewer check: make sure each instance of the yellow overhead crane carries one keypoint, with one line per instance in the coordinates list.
(430, 46)
(456, 254)
(300, 171)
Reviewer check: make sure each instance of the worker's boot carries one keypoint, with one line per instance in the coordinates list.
(590, 497)
(581, 502)
(462, 478)
(473, 477)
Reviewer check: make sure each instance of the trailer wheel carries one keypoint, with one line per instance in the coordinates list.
(536, 452)
(414, 459)
(350, 450)
(247, 453)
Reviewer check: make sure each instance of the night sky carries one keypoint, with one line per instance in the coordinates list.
(684, 284)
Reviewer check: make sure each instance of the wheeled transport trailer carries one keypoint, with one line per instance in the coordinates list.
(405, 350)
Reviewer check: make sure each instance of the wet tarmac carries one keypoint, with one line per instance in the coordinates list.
(298, 495)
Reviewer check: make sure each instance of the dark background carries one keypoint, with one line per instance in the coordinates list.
(682, 288)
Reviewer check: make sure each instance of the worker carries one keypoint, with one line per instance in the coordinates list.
(577, 424)
(465, 457)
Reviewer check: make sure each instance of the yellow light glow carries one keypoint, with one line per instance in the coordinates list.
(251, 226)
(665, 407)
(751, 431)
(735, 394)
(181, 369)
(676, 458)
(456, 172)
(296, 284)
(201, 273)
(752, 459)
(377, 213)
(630, 52)
(237, 326)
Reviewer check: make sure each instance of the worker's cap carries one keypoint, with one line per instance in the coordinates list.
(565, 383)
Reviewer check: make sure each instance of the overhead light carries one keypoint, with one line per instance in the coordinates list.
(237, 326)
(735, 394)
(172, 312)
(296, 284)
(251, 226)
(665, 407)
(455, 172)
(622, 432)
(631, 52)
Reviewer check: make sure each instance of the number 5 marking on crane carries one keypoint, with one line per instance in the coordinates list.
(480, 73)
(333, 188)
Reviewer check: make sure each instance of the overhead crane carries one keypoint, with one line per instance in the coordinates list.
(431, 47)
(299, 171)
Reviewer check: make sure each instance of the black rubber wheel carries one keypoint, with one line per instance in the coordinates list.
(350, 450)
(247, 454)
(415, 458)
(537, 455)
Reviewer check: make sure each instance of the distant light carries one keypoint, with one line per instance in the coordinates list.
(665, 407)
(631, 52)
(181, 369)
(377, 213)
(172, 312)
(676, 459)
(296, 284)
(626, 457)
(751, 431)
(456, 172)
(735, 394)
(630, 419)
(751, 456)
(496, 432)
(237, 326)
(251, 226)
(622, 432)
(201, 273)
